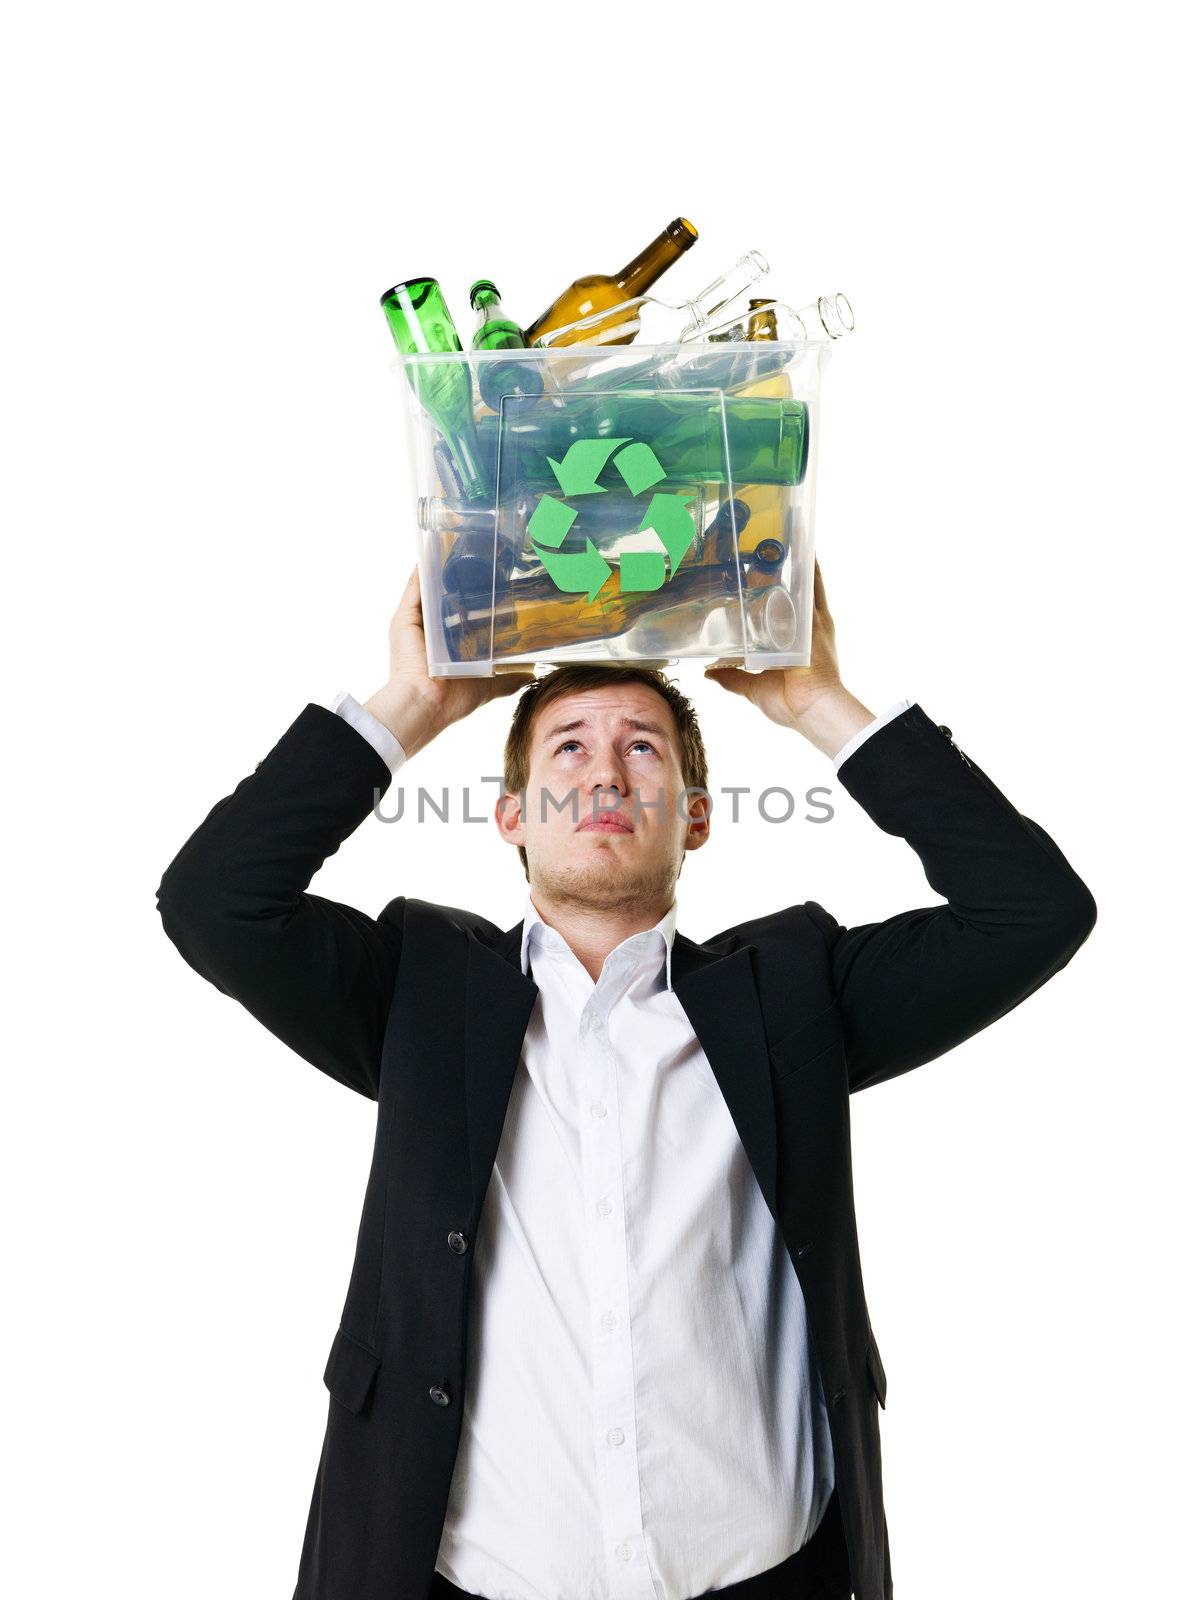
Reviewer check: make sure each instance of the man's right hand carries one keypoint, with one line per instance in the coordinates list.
(414, 706)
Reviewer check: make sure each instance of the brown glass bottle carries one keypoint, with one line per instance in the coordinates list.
(763, 324)
(534, 614)
(771, 515)
(589, 295)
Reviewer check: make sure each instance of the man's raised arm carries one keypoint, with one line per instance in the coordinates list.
(235, 899)
(913, 986)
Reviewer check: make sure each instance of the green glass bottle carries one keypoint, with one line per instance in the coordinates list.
(495, 331)
(767, 439)
(421, 323)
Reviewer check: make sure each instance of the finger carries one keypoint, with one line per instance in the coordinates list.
(509, 682)
(819, 601)
(410, 600)
(732, 678)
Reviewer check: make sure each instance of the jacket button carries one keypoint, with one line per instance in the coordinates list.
(439, 1396)
(838, 1396)
(801, 1250)
(953, 746)
(457, 1242)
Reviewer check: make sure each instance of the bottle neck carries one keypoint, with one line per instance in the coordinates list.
(728, 287)
(650, 264)
(487, 305)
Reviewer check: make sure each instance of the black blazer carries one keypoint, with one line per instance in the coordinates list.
(424, 1008)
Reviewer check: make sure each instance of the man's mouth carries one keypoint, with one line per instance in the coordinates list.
(612, 822)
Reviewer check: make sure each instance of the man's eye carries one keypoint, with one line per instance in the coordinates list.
(566, 742)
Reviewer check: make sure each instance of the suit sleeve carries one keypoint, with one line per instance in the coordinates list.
(235, 901)
(913, 986)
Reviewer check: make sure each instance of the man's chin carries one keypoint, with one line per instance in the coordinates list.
(600, 876)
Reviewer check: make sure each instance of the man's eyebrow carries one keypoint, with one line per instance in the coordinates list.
(626, 722)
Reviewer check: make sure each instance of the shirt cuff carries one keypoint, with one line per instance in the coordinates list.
(863, 734)
(372, 730)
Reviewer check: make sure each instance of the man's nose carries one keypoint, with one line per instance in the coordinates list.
(608, 773)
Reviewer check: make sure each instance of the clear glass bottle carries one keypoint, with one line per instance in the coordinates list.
(830, 317)
(757, 620)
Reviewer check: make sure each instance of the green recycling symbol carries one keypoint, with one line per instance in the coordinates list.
(667, 515)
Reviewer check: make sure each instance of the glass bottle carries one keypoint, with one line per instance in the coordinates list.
(657, 321)
(689, 433)
(534, 614)
(496, 331)
(421, 323)
(600, 292)
(757, 620)
(601, 517)
(770, 508)
(830, 317)
(763, 323)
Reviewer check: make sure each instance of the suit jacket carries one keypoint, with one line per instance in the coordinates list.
(424, 1007)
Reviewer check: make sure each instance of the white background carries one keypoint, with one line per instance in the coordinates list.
(209, 523)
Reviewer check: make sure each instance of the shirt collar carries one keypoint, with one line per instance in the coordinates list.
(665, 926)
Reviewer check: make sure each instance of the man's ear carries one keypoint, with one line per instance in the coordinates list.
(699, 821)
(509, 813)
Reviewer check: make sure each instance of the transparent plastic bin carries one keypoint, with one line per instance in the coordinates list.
(615, 503)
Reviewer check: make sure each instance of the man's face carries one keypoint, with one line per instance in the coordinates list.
(604, 823)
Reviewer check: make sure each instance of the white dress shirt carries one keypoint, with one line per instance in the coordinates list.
(641, 1416)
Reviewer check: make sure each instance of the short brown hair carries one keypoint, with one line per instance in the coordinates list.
(573, 679)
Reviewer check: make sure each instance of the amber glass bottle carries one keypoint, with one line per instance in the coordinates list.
(588, 295)
(763, 324)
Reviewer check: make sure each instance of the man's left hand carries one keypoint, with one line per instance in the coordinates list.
(812, 699)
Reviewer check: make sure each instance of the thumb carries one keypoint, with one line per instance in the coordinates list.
(409, 608)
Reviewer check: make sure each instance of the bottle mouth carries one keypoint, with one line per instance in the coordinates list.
(409, 283)
(478, 286)
(681, 228)
(836, 314)
(779, 617)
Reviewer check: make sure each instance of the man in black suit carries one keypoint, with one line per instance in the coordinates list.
(606, 1332)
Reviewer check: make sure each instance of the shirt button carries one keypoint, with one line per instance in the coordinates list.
(599, 1109)
(616, 1436)
(608, 1321)
(603, 1207)
(625, 1552)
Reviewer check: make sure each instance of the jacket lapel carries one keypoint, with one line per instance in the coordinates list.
(499, 999)
(719, 998)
